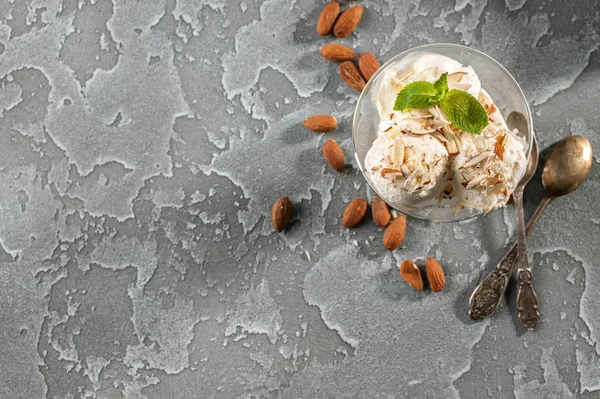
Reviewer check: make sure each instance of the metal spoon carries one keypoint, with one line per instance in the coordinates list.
(526, 298)
(567, 166)
(487, 295)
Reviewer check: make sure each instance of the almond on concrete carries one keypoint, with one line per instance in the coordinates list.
(380, 211)
(334, 155)
(281, 213)
(394, 233)
(355, 212)
(349, 74)
(320, 123)
(327, 18)
(411, 274)
(368, 65)
(337, 52)
(435, 274)
(348, 21)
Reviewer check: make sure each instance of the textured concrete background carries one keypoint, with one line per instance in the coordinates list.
(142, 145)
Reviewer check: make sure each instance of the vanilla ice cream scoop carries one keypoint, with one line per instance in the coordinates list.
(407, 168)
(486, 175)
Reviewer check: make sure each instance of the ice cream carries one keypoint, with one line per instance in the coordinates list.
(419, 158)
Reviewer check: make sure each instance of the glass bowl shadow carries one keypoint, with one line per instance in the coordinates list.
(495, 79)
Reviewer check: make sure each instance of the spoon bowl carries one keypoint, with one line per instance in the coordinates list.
(567, 166)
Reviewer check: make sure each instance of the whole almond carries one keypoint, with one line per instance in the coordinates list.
(394, 233)
(355, 212)
(435, 274)
(349, 74)
(380, 211)
(320, 123)
(337, 52)
(327, 18)
(411, 274)
(281, 213)
(347, 22)
(334, 155)
(368, 65)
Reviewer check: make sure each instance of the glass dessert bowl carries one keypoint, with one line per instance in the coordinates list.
(418, 160)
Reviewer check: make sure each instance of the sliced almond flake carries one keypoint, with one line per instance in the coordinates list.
(487, 163)
(395, 133)
(387, 171)
(410, 178)
(458, 143)
(489, 108)
(437, 124)
(374, 138)
(447, 132)
(355, 243)
(476, 181)
(399, 150)
(453, 146)
(440, 137)
(436, 110)
(307, 255)
(405, 171)
(477, 159)
(405, 154)
(481, 98)
(388, 129)
(452, 150)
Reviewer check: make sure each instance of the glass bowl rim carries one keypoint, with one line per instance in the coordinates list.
(365, 95)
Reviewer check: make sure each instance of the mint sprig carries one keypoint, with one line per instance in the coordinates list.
(416, 95)
(462, 109)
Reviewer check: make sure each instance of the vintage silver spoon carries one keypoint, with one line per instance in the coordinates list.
(526, 299)
(567, 166)
(487, 295)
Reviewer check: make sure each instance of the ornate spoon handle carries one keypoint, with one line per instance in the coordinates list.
(488, 294)
(526, 297)
(527, 302)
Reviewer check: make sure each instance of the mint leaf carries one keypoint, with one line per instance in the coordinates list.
(464, 111)
(441, 85)
(419, 94)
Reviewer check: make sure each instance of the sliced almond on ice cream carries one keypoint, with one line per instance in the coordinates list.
(398, 151)
(388, 171)
(478, 158)
(454, 81)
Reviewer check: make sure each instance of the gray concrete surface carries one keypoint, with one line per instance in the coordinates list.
(142, 145)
